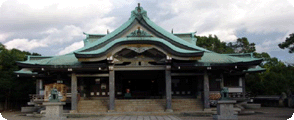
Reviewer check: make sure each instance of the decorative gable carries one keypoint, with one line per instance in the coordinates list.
(139, 33)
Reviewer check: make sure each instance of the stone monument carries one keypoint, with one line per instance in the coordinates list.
(225, 107)
(54, 108)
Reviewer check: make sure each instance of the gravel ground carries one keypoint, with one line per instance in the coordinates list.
(265, 113)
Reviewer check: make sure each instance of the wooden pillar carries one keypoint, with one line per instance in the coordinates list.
(240, 82)
(243, 87)
(41, 84)
(222, 81)
(111, 89)
(168, 89)
(206, 90)
(74, 92)
(37, 86)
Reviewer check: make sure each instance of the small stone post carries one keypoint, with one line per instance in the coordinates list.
(54, 108)
(225, 107)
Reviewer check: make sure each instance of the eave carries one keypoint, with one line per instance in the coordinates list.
(169, 48)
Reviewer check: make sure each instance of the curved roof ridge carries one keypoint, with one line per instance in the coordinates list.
(172, 36)
(109, 45)
(108, 36)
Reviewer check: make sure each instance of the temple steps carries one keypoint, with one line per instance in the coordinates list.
(183, 105)
(139, 105)
(144, 105)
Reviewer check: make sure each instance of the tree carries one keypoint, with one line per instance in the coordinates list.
(12, 88)
(242, 45)
(289, 43)
(213, 43)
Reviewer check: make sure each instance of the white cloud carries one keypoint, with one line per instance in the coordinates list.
(4, 36)
(67, 34)
(71, 48)
(225, 17)
(24, 44)
(50, 23)
(271, 45)
(52, 36)
(100, 25)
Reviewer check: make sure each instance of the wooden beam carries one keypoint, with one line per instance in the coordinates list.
(93, 75)
(186, 74)
(126, 68)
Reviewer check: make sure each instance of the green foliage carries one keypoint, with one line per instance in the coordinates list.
(289, 43)
(12, 88)
(276, 79)
(214, 44)
(243, 46)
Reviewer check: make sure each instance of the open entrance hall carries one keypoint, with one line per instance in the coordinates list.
(140, 84)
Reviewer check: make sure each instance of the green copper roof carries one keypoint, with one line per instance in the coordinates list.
(171, 36)
(106, 47)
(108, 36)
(220, 58)
(68, 59)
(256, 69)
(189, 37)
(23, 71)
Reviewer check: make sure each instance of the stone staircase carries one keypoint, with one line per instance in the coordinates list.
(187, 105)
(139, 105)
(93, 106)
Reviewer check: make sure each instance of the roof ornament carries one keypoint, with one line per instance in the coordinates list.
(139, 8)
(139, 33)
(172, 31)
(107, 31)
(139, 12)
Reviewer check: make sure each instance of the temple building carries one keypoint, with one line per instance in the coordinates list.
(139, 61)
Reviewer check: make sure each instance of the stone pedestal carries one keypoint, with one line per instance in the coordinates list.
(54, 111)
(225, 110)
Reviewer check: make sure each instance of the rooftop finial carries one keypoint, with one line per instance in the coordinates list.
(139, 12)
(139, 8)
(172, 31)
(107, 31)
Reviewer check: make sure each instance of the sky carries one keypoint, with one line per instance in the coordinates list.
(56, 27)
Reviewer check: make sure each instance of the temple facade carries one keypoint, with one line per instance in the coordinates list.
(140, 61)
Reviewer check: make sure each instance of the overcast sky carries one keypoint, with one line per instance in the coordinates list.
(56, 27)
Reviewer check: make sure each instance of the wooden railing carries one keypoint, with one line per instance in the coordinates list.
(36, 98)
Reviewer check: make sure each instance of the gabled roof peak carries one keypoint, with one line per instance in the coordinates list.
(139, 12)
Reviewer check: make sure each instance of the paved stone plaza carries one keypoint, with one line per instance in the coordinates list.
(265, 113)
